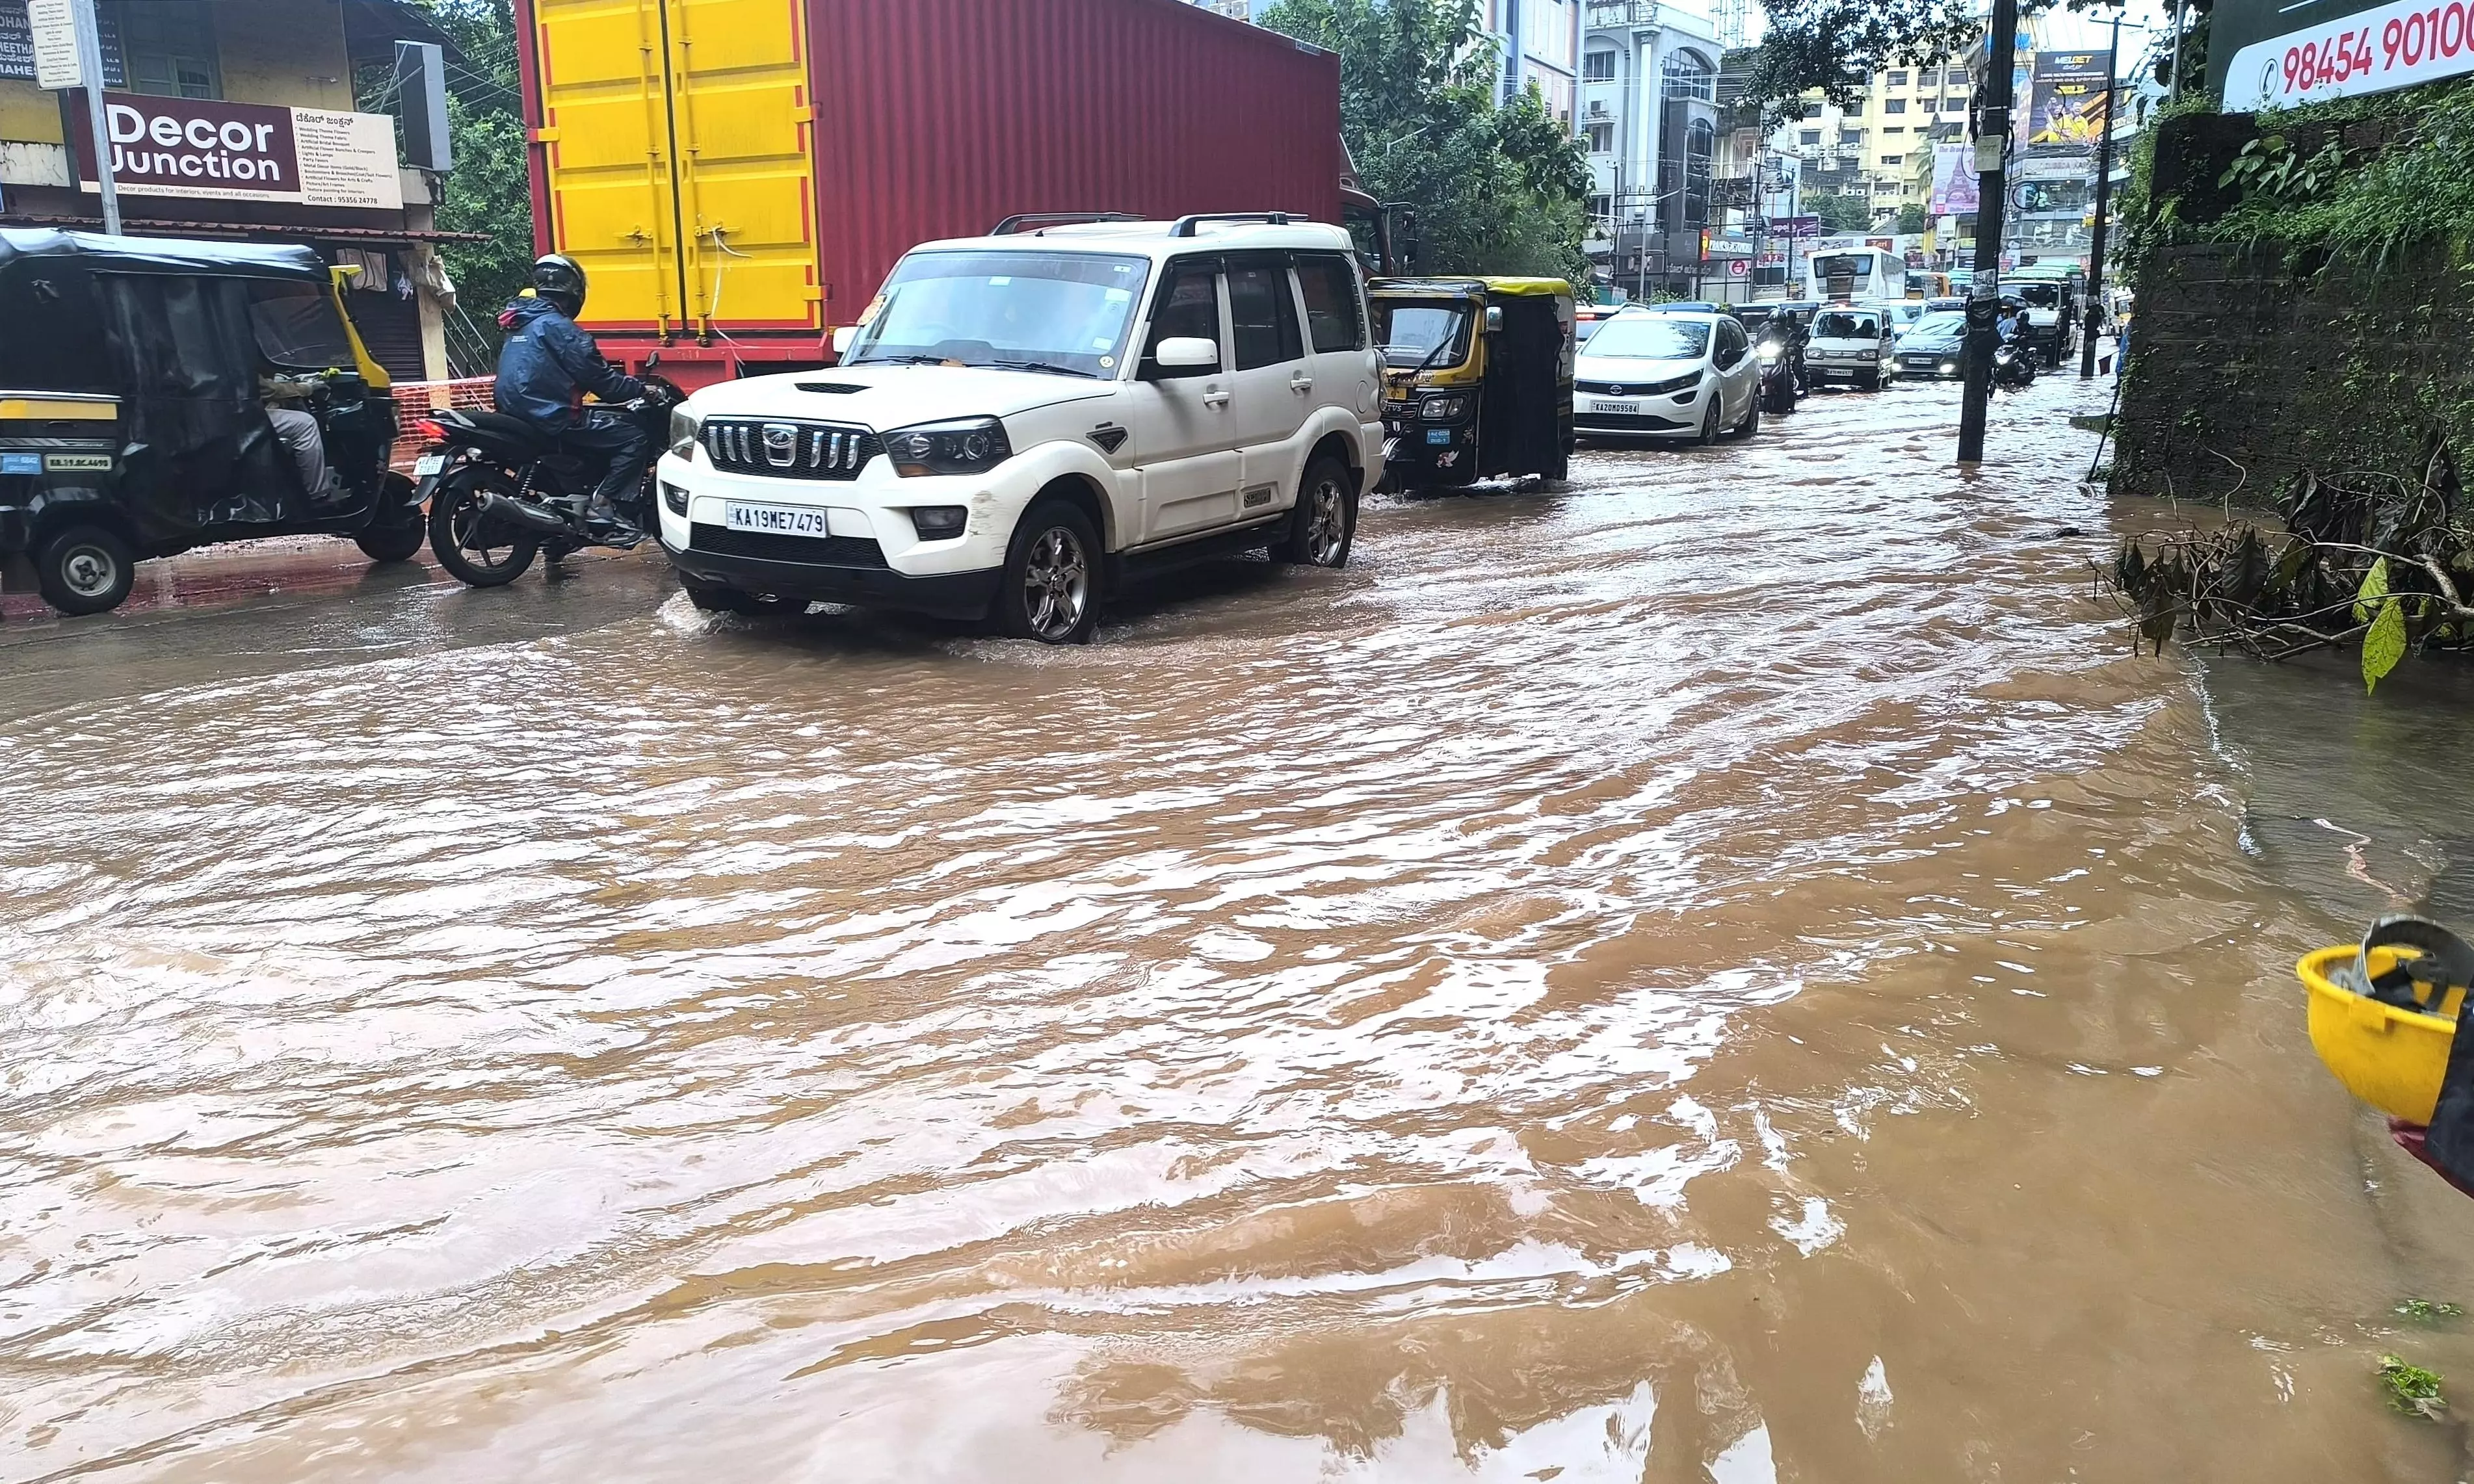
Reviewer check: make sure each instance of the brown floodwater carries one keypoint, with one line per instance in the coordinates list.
(1730, 971)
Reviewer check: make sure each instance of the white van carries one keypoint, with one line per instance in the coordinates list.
(1850, 344)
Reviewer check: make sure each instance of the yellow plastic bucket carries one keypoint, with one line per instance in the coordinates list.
(2390, 1057)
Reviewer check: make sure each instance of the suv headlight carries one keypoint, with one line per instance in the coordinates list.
(685, 425)
(965, 445)
(1443, 409)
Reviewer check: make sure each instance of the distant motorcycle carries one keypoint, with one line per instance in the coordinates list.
(500, 493)
(2013, 371)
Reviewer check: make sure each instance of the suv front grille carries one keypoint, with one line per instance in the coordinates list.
(803, 550)
(784, 449)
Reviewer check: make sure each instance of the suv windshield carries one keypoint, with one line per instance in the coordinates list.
(1650, 338)
(1062, 312)
(1847, 326)
(1409, 331)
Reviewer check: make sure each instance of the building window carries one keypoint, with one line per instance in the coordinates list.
(1894, 106)
(1895, 128)
(1811, 136)
(1897, 80)
(1888, 160)
(1601, 138)
(1598, 67)
(1812, 111)
(169, 49)
(1601, 207)
(1686, 75)
(1853, 109)
(1855, 137)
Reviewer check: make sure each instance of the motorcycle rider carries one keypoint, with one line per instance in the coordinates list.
(545, 366)
(1786, 330)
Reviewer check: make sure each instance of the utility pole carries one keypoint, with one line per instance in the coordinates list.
(89, 39)
(2103, 198)
(1994, 102)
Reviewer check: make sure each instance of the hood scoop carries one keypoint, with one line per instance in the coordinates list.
(830, 388)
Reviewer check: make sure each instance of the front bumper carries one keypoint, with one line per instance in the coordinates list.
(1666, 414)
(1843, 370)
(941, 595)
(1929, 365)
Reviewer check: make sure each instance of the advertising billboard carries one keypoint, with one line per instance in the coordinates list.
(1954, 184)
(2330, 52)
(205, 148)
(2066, 104)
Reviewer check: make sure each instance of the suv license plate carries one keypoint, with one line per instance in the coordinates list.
(428, 463)
(774, 519)
(1620, 409)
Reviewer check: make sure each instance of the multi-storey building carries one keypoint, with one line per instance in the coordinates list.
(1649, 120)
(1879, 149)
(1540, 44)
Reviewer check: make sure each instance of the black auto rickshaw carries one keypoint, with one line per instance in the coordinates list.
(1477, 378)
(134, 380)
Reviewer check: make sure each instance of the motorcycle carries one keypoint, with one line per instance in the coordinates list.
(1777, 387)
(2013, 371)
(500, 494)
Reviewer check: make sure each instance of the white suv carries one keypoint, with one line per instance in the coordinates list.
(1023, 418)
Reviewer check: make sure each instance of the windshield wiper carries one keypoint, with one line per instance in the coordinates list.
(897, 359)
(1047, 365)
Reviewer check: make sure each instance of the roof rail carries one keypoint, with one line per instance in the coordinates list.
(1038, 219)
(1185, 225)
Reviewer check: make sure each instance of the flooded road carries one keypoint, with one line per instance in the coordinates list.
(1731, 972)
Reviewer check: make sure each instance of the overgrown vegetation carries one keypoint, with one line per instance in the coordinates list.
(1499, 188)
(2360, 208)
(2427, 1312)
(2371, 560)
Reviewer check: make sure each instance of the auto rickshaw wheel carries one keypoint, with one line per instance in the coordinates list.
(398, 529)
(84, 569)
(476, 549)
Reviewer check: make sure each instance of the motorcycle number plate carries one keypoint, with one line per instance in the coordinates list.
(1620, 409)
(775, 520)
(428, 463)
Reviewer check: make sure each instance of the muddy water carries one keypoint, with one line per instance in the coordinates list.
(1729, 972)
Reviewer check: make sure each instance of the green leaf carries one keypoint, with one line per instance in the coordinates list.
(2385, 645)
(2375, 586)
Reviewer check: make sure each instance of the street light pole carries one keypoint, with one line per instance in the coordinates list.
(2103, 198)
(1992, 196)
(89, 42)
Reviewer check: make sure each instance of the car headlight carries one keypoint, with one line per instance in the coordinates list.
(1868, 355)
(965, 445)
(938, 522)
(685, 425)
(1443, 409)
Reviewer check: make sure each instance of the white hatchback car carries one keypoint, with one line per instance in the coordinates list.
(1022, 420)
(1665, 373)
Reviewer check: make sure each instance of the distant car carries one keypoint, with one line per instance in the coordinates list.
(1945, 307)
(1931, 347)
(1853, 345)
(1685, 306)
(1587, 318)
(1902, 313)
(1665, 373)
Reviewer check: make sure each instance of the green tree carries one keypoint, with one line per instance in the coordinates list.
(1913, 218)
(1838, 46)
(1839, 213)
(490, 189)
(1499, 189)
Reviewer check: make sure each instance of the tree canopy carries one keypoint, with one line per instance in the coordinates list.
(1838, 46)
(1498, 188)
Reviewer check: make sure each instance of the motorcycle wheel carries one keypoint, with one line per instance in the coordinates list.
(476, 550)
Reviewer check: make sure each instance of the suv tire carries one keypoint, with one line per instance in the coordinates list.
(1050, 591)
(84, 569)
(1323, 525)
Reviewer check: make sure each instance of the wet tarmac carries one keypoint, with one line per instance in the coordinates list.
(1732, 970)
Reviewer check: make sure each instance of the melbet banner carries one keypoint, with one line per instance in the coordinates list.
(214, 150)
(2368, 52)
(2066, 105)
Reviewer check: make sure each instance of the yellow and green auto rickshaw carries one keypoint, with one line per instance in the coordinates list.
(1477, 378)
(135, 377)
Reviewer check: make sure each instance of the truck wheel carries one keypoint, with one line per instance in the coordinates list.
(84, 569)
(476, 550)
(1325, 522)
(1051, 586)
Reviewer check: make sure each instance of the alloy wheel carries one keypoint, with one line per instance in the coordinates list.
(1055, 584)
(1326, 521)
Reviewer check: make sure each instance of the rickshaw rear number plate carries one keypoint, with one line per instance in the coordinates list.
(81, 462)
(428, 463)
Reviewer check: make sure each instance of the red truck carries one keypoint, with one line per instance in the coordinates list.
(737, 176)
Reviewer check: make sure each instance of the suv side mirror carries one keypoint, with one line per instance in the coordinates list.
(844, 335)
(1187, 352)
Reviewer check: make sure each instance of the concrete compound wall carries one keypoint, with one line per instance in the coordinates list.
(2247, 367)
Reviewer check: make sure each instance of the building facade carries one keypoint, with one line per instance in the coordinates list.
(1649, 121)
(287, 157)
(1540, 44)
(1879, 149)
